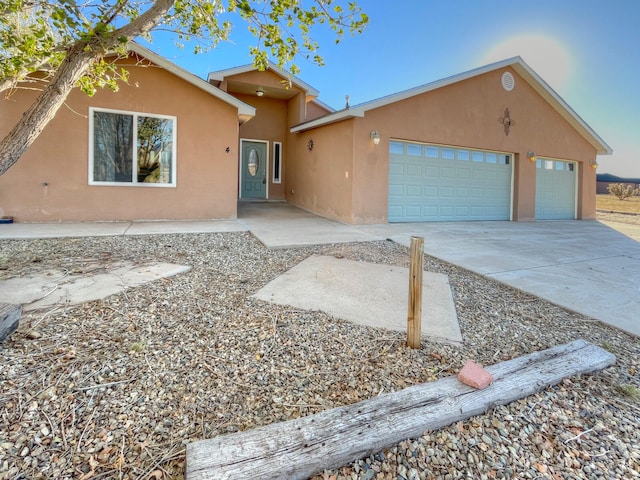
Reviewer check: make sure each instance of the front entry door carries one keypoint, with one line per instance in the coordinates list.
(253, 172)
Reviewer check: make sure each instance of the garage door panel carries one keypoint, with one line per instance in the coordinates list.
(414, 170)
(555, 190)
(414, 211)
(431, 171)
(414, 191)
(453, 188)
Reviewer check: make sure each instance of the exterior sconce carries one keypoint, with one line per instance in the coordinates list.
(532, 156)
(375, 137)
(260, 92)
(593, 164)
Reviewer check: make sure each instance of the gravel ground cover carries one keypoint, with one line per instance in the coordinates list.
(632, 218)
(116, 388)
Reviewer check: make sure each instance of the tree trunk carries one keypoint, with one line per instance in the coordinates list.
(78, 59)
(38, 115)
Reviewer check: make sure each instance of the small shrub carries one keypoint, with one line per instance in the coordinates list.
(623, 191)
(629, 390)
(136, 347)
(607, 346)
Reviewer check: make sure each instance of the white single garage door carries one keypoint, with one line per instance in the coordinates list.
(439, 183)
(555, 189)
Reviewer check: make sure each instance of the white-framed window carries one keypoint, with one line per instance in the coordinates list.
(277, 162)
(131, 148)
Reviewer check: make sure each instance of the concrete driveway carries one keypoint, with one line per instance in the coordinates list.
(585, 266)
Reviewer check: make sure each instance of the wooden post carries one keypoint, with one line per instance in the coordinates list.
(414, 318)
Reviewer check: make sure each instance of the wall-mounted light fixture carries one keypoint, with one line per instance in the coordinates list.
(260, 92)
(593, 164)
(375, 137)
(532, 156)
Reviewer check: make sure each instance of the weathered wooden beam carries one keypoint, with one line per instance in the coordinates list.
(9, 319)
(297, 449)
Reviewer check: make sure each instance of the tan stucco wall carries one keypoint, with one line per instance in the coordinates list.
(315, 111)
(321, 180)
(206, 173)
(465, 114)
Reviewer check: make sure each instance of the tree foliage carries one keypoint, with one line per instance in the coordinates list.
(70, 43)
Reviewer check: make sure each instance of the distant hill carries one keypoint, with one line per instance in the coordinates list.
(608, 177)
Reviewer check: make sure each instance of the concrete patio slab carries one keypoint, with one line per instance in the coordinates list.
(365, 293)
(278, 225)
(106, 229)
(56, 287)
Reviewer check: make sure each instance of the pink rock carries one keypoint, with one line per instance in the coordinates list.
(475, 376)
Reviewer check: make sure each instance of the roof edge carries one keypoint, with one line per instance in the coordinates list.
(556, 102)
(245, 111)
(219, 75)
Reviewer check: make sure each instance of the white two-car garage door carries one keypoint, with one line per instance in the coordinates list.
(440, 183)
(555, 189)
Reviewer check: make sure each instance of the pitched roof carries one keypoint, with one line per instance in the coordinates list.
(517, 63)
(220, 75)
(245, 112)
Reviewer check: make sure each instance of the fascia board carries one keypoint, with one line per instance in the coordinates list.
(243, 109)
(327, 119)
(550, 95)
(220, 75)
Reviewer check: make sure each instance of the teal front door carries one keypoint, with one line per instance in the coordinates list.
(253, 171)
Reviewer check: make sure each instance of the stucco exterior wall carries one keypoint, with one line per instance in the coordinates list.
(207, 175)
(315, 111)
(467, 114)
(321, 179)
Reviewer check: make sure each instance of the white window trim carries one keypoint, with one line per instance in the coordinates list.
(279, 160)
(135, 115)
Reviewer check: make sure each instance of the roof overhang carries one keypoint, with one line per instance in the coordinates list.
(245, 112)
(517, 63)
(221, 75)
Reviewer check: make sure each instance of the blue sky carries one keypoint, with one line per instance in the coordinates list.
(588, 51)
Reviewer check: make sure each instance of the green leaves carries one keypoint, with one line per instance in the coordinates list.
(37, 34)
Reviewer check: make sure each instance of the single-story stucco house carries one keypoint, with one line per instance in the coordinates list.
(494, 143)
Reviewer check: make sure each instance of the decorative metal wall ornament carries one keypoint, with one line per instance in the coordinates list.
(506, 121)
(310, 145)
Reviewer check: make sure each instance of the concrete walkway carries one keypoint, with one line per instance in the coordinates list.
(585, 266)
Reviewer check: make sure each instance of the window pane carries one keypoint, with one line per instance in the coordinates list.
(112, 147)
(414, 150)
(560, 165)
(463, 154)
(504, 159)
(447, 153)
(431, 152)
(478, 157)
(155, 150)
(276, 162)
(548, 164)
(491, 158)
(396, 148)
